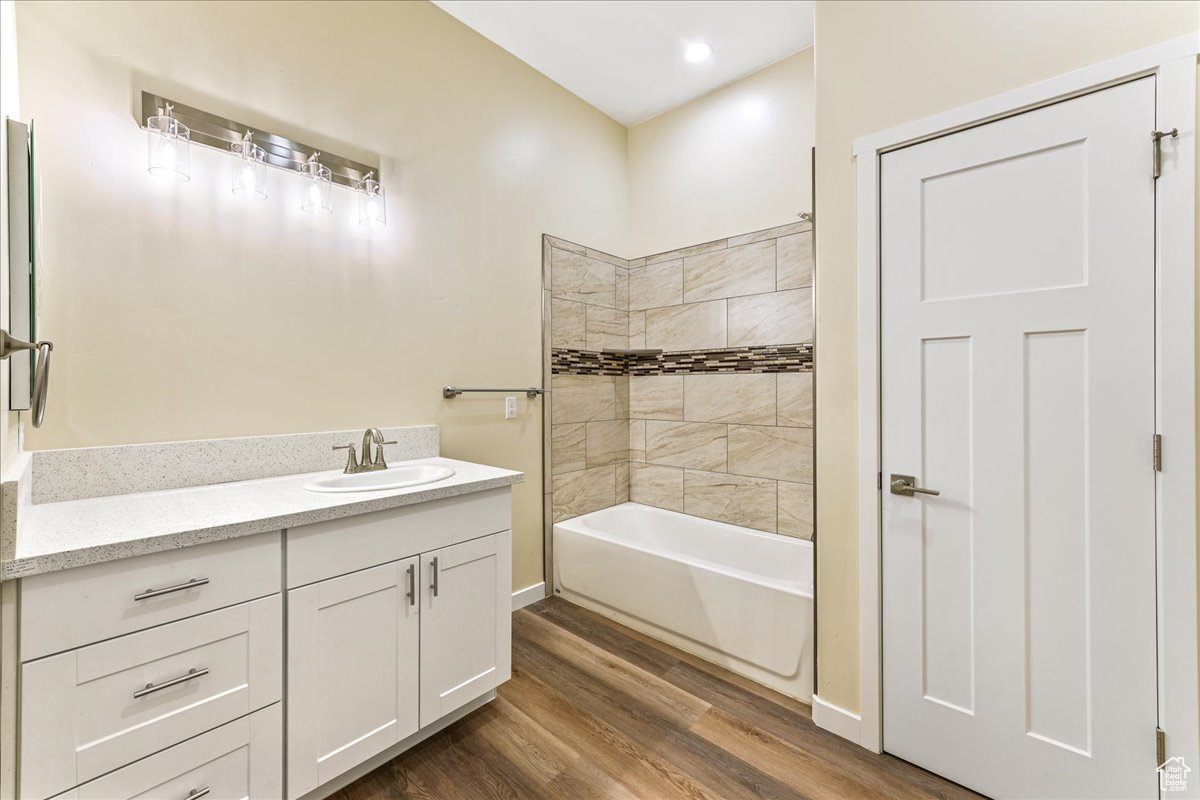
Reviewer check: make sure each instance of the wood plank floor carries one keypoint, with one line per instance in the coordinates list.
(596, 710)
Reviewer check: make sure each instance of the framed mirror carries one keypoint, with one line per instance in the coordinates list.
(22, 296)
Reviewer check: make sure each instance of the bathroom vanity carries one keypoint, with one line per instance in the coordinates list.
(254, 638)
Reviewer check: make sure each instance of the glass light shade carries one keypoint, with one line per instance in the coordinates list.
(167, 148)
(372, 206)
(249, 170)
(318, 188)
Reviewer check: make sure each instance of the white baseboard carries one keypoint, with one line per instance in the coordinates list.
(837, 720)
(530, 594)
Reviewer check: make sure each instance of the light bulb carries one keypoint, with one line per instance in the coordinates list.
(697, 52)
(249, 168)
(246, 179)
(167, 147)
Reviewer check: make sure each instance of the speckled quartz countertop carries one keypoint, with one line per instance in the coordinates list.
(73, 533)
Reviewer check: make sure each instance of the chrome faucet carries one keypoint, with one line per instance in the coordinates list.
(369, 463)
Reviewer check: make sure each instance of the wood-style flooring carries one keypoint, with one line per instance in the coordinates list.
(596, 710)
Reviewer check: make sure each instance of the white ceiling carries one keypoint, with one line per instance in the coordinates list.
(626, 58)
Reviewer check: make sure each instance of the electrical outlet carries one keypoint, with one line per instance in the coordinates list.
(510, 408)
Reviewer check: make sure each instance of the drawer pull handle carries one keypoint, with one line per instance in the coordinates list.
(411, 594)
(434, 585)
(151, 688)
(179, 587)
(196, 794)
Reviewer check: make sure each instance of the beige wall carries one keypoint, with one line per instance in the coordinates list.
(179, 311)
(880, 64)
(9, 107)
(736, 160)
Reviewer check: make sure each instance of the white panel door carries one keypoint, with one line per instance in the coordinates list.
(352, 670)
(465, 626)
(1018, 355)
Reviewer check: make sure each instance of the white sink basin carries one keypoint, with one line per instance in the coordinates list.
(391, 478)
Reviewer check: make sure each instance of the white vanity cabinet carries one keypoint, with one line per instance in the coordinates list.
(353, 655)
(160, 675)
(377, 652)
(466, 623)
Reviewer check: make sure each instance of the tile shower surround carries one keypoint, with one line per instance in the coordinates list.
(720, 424)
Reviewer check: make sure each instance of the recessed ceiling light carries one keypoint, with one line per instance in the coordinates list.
(697, 52)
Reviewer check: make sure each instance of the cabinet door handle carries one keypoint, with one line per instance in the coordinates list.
(411, 594)
(196, 794)
(191, 675)
(179, 587)
(434, 585)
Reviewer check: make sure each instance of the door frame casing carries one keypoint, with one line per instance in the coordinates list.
(1174, 65)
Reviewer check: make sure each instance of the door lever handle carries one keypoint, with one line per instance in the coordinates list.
(907, 485)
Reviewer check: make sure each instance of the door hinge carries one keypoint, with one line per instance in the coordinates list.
(1160, 746)
(879, 481)
(1157, 137)
(1158, 452)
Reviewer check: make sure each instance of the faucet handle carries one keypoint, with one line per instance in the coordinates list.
(351, 459)
(379, 459)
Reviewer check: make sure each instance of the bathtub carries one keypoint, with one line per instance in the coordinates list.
(740, 598)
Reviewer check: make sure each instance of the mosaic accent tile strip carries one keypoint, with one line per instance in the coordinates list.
(568, 361)
(752, 359)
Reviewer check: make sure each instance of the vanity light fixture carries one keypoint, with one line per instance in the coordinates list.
(249, 168)
(172, 127)
(318, 188)
(372, 207)
(167, 141)
(697, 52)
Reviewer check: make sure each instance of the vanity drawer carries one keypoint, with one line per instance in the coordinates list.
(337, 547)
(241, 759)
(74, 607)
(89, 711)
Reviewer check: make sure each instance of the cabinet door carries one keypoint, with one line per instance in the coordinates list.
(352, 670)
(466, 623)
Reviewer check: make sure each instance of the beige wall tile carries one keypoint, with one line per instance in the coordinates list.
(794, 261)
(622, 289)
(637, 440)
(609, 258)
(584, 398)
(694, 326)
(775, 318)
(620, 389)
(795, 509)
(748, 269)
(607, 327)
(563, 244)
(795, 399)
(576, 493)
(656, 397)
(698, 445)
(735, 499)
(607, 442)
(656, 285)
(583, 279)
(637, 329)
(568, 324)
(684, 252)
(748, 399)
(567, 447)
(622, 488)
(770, 233)
(637, 262)
(768, 452)
(656, 486)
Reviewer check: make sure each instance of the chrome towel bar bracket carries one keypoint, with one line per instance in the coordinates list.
(41, 380)
(450, 392)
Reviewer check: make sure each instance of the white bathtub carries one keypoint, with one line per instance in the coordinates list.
(737, 597)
